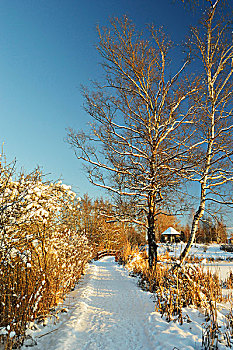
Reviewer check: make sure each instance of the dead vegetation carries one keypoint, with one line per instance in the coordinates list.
(42, 251)
(175, 289)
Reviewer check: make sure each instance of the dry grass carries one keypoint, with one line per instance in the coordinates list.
(175, 289)
(42, 250)
(32, 285)
(189, 285)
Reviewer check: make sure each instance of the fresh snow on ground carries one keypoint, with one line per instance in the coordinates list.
(211, 256)
(108, 311)
(200, 251)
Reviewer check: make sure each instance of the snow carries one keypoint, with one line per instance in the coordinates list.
(108, 310)
(211, 256)
(221, 269)
(200, 251)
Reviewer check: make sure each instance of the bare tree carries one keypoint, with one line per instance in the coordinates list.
(212, 44)
(138, 129)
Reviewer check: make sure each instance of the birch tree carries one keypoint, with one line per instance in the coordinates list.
(138, 123)
(212, 45)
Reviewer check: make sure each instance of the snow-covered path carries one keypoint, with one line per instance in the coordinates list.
(110, 312)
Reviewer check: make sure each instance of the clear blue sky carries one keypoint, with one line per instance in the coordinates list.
(46, 52)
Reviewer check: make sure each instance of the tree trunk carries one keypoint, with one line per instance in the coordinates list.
(194, 228)
(199, 213)
(151, 239)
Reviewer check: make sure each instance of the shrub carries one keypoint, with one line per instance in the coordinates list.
(43, 253)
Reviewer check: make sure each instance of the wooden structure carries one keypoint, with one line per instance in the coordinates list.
(103, 253)
(170, 235)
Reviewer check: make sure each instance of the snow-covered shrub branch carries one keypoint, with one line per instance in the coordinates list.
(42, 250)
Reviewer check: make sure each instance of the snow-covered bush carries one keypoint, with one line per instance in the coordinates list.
(42, 250)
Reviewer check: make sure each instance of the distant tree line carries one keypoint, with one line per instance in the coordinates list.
(210, 230)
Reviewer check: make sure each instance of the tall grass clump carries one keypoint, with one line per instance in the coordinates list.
(174, 288)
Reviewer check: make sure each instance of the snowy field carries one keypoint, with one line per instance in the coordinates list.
(108, 311)
(211, 256)
(201, 251)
